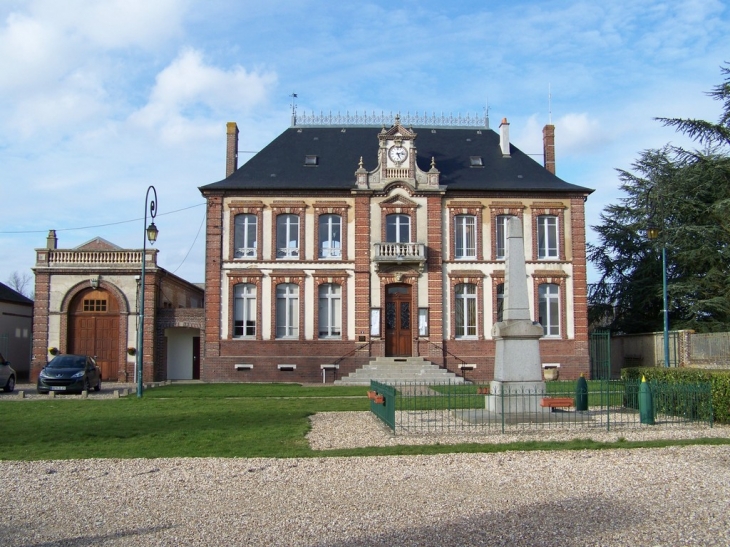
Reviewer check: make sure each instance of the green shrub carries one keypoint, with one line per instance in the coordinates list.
(718, 379)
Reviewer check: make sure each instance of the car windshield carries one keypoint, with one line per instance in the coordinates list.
(68, 361)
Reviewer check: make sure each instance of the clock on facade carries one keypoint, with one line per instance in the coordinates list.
(398, 154)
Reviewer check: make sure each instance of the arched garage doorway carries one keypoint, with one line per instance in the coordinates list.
(94, 329)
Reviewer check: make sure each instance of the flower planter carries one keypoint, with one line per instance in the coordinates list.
(379, 400)
(372, 394)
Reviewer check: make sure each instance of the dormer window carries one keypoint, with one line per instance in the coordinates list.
(311, 161)
(476, 161)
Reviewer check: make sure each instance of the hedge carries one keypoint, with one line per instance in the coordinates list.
(718, 379)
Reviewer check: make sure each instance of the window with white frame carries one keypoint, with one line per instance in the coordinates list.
(500, 236)
(398, 228)
(244, 238)
(330, 236)
(465, 304)
(547, 236)
(287, 236)
(330, 310)
(287, 310)
(500, 302)
(549, 308)
(244, 310)
(465, 237)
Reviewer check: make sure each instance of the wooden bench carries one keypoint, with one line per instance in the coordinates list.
(554, 402)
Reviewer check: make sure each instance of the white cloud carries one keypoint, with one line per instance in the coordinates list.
(189, 90)
(111, 24)
(31, 54)
(67, 61)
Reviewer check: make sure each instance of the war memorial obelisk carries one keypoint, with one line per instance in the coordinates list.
(517, 364)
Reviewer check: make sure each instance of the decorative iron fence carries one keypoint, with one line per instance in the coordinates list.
(600, 354)
(382, 119)
(413, 408)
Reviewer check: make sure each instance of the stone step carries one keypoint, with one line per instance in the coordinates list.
(393, 370)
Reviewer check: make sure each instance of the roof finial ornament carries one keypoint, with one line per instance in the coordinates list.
(397, 118)
(360, 164)
(433, 162)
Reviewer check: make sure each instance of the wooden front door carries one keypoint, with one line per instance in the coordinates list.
(398, 314)
(94, 330)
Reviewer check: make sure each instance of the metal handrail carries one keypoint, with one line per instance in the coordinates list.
(352, 352)
(445, 352)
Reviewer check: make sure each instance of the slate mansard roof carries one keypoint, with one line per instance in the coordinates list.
(280, 165)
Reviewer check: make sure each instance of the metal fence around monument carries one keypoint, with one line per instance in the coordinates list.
(416, 408)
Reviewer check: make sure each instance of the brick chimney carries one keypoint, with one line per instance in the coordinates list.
(231, 148)
(548, 147)
(51, 240)
(504, 137)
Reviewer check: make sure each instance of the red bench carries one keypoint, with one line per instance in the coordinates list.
(556, 402)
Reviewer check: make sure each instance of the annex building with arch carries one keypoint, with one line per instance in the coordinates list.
(87, 302)
(351, 238)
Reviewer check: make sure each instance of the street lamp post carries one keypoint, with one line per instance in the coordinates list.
(150, 234)
(653, 233)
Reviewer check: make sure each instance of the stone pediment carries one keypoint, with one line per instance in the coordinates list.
(398, 202)
(397, 132)
(98, 244)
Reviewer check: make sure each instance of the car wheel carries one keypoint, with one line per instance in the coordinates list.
(10, 385)
(87, 385)
(97, 387)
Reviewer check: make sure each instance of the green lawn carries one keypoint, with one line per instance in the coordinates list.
(207, 420)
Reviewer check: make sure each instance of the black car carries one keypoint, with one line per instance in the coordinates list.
(69, 374)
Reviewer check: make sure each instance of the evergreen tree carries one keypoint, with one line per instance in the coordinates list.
(685, 194)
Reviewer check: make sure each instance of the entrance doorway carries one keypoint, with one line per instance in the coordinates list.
(398, 337)
(94, 330)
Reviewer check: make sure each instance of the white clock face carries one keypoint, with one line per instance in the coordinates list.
(398, 154)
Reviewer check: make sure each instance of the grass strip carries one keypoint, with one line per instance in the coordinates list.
(213, 420)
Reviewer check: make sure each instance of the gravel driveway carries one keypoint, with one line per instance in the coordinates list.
(669, 496)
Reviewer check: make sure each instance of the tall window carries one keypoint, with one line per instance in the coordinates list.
(330, 310)
(465, 241)
(244, 310)
(549, 305)
(398, 228)
(500, 302)
(244, 239)
(466, 310)
(287, 310)
(330, 236)
(547, 236)
(500, 236)
(287, 236)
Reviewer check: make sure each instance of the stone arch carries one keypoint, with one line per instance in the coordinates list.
(96, 330)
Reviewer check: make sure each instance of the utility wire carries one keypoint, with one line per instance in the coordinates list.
(101, 225)
(192, 245)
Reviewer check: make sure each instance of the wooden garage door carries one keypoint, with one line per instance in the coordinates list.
(94, 330)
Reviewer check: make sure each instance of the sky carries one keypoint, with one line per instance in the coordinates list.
(99, 99)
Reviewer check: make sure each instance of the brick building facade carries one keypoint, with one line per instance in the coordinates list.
(339, 243)
(87, 302)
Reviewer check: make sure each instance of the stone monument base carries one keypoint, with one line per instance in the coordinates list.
(515, 397)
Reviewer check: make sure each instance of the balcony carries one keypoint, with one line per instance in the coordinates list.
(400, 253)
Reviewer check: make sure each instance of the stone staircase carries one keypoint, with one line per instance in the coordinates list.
(399, 369)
